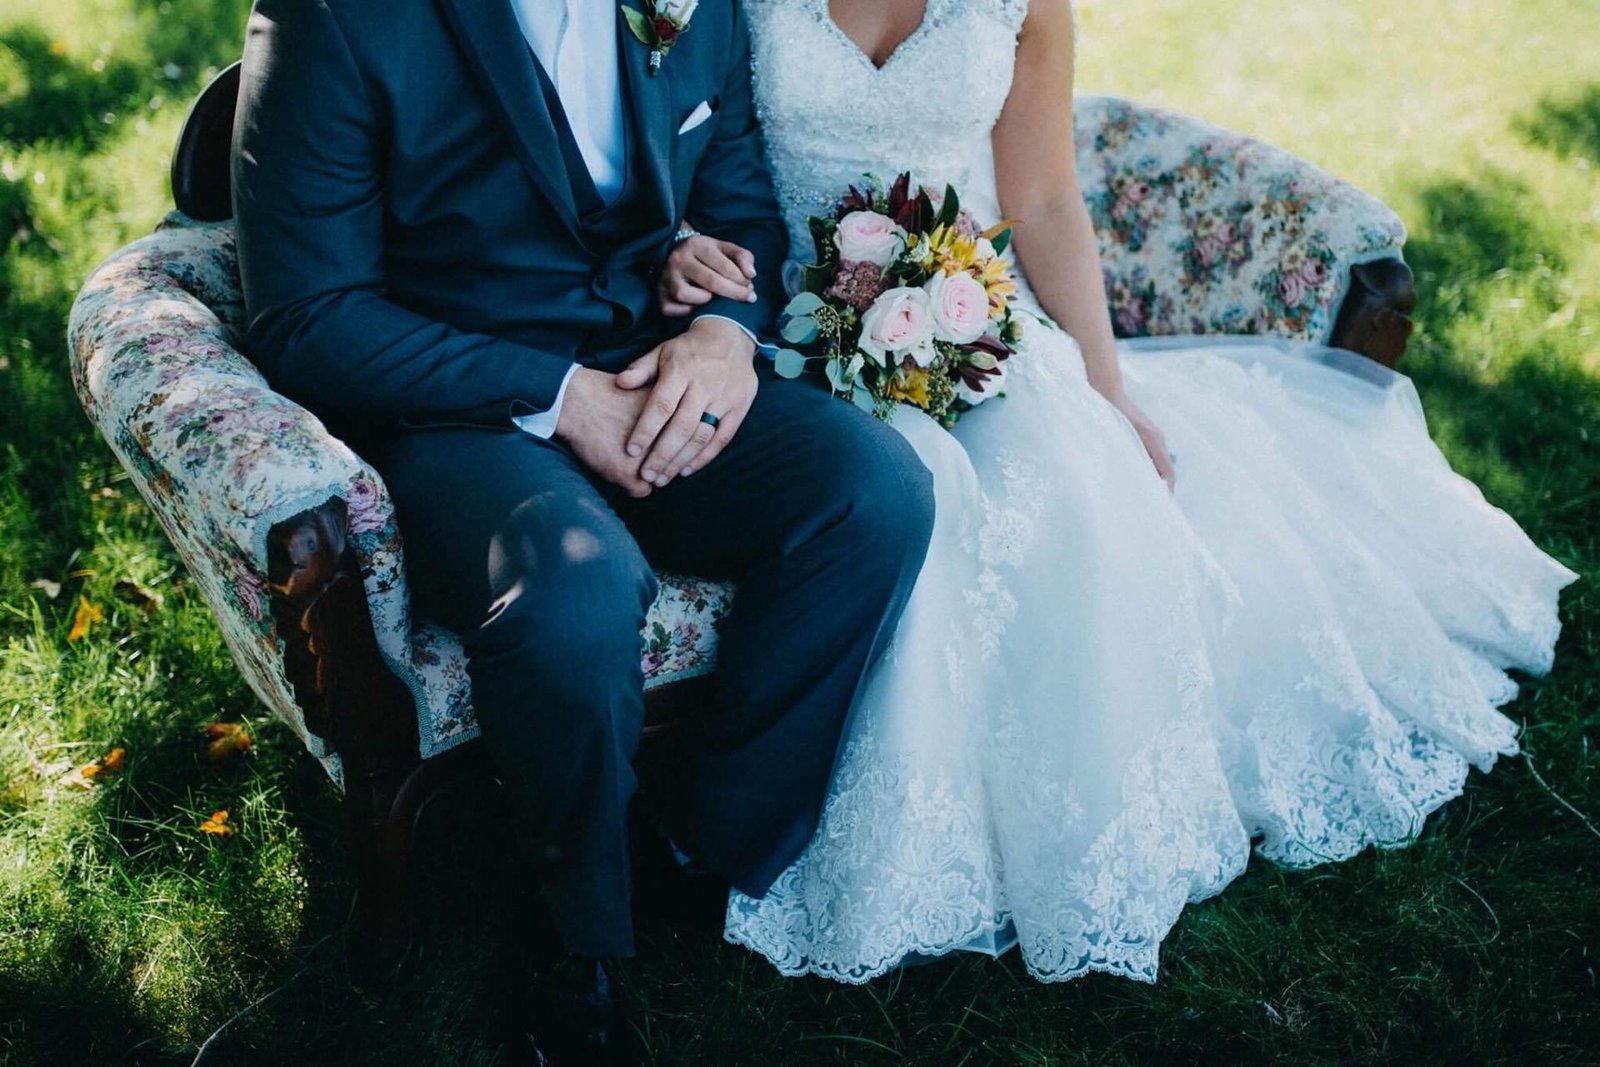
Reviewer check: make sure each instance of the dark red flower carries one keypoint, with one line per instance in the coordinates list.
(903, 207)
(854, 200)
(993, 345)
(666, 32)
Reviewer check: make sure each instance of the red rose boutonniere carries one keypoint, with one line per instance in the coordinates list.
(660, 25)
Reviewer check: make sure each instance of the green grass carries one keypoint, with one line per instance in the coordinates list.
(128, 936)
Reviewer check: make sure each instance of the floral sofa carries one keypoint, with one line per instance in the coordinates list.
(1202, 231)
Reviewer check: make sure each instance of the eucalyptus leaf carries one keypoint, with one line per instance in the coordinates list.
(803, 304)
(640, 24)
(863, 400)
(839, 376)
(800, 330)
(789, 363)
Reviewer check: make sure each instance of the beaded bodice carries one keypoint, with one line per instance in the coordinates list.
(830, 115)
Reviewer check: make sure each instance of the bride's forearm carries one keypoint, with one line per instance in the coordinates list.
(1060, 257)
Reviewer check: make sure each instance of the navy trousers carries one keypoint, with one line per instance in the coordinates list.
(822, 516)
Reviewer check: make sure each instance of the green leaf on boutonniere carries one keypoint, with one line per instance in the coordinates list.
(639, 23)
(1001, 240)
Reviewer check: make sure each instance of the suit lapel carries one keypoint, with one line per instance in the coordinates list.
(650, 102)
(500, 57)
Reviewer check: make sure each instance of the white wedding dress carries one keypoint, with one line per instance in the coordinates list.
(1102, 693)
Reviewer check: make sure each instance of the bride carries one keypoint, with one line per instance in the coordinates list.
(1279, 619)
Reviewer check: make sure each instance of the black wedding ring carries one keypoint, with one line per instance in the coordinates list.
(710, 420)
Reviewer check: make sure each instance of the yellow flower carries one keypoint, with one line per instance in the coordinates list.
(909, 386)
(997, 281)
(58, 48)
(217, 825)
(951, 250)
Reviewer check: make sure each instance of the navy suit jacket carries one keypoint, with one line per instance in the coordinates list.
(409, 239)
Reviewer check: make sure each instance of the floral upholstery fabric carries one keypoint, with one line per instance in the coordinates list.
(1202, 231)
(1206, 231)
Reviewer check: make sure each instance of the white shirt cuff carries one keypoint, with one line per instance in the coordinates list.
(768, 350)
(543, 424)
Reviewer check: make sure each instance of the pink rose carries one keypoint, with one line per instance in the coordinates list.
(898, 324)
(959, 306)
(868, 237)
(1313, 272)
(364, 505)
(1292, 289)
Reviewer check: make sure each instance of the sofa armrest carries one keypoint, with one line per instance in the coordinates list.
(230, 467)
(1207, 231)
(1375, 317)
(346, 692)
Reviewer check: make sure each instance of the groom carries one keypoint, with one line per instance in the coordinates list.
(450, 213)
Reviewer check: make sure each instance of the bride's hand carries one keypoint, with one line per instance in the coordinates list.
(1150, 435)
(702, 267)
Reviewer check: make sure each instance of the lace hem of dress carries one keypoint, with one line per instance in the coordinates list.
(1114, 928)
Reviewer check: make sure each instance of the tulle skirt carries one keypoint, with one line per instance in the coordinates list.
(1103, 694)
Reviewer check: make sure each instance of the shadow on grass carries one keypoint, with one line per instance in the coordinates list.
(1568, 126)
(1496, 353)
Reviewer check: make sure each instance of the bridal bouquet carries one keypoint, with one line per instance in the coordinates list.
(908, 303)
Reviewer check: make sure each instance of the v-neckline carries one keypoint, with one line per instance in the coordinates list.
(855, 46)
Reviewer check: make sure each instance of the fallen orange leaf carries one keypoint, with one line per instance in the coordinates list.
(86, 616)
(105, 766)
(217, 825)
(226, 739)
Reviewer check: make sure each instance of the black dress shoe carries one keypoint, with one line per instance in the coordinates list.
(571, 1019)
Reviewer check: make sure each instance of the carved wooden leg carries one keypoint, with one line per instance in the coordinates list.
(353, 701)
(1375, 319)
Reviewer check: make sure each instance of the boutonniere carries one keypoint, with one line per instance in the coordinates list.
(660, 25)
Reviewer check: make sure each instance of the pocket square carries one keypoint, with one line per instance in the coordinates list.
(697, 117)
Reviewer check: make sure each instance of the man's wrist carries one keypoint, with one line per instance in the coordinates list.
(725, 330)
(578, 392)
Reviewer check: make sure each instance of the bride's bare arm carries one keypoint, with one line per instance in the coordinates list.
(1037, 177)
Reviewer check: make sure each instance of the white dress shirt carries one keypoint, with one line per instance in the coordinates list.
(576, 43)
